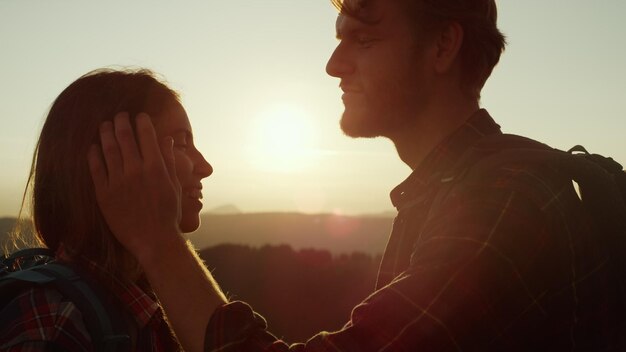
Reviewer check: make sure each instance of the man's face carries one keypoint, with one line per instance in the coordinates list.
(383, 71)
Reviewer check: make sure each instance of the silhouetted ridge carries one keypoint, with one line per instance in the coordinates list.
(309, 286)
(336, 233)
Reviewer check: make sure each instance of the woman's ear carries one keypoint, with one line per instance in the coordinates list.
(448, 44)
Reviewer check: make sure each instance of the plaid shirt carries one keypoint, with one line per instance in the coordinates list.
(504, 262)
(41, 319)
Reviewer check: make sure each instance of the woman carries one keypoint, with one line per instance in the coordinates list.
(67, 219)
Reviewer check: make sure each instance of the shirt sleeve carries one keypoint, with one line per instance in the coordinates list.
(40, 320)
(481, 269)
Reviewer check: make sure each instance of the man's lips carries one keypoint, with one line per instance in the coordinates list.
(350, 88)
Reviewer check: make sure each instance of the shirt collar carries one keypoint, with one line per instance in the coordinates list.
(141, 305)
(444, 156)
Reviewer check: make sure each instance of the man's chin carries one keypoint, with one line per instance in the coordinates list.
(360, 126)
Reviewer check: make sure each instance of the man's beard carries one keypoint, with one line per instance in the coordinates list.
(369, 123)
(354, 127)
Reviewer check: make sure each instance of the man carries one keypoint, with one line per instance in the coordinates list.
(501, 260)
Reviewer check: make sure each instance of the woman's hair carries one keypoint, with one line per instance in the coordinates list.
(62, 197)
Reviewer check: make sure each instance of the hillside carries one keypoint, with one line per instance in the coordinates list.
(285, 285)
(289, 280)
(338, 234)
(5, 226)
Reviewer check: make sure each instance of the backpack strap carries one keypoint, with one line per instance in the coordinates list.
(96, 310)
(610, 165)
(103, 320)
(484, 149)
(27, 257)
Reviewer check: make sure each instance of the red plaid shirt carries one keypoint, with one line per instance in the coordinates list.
(506, 262)
(41, 319)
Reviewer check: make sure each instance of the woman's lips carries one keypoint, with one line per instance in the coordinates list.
(195, 193)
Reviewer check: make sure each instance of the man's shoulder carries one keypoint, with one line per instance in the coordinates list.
(509, 163)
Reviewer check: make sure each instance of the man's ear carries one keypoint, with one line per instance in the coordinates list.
(448, 44)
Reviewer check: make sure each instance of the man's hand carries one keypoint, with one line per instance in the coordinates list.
(136, 185)
(139, 196)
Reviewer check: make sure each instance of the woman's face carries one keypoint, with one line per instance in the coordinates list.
(191, 167)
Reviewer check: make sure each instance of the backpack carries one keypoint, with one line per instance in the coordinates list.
(37, 267)
(601, 185)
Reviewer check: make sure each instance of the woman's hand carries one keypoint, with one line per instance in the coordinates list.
(136, 185)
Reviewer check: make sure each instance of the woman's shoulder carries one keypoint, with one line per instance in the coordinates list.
(42, 316)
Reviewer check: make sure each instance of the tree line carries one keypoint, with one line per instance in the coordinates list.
(298, 292)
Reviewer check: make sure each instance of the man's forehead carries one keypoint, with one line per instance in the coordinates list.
(339, 21)
(355, 4)
(365, 12)
(345, 23)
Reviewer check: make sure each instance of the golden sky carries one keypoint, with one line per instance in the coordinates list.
(264, 112)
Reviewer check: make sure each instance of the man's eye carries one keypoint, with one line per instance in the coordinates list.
(364, 41)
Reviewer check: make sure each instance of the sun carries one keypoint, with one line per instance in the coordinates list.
(284, 139)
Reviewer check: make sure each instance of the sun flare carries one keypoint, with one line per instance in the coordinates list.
(284, 139)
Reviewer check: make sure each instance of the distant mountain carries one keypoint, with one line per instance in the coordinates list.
(225, 209)
(338, 234)
(6, 224)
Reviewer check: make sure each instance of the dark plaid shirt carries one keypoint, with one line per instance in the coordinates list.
(503, 262)
(41, 319)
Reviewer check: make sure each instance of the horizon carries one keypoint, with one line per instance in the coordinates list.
(335, 233)
(231, 209)
(251, 73)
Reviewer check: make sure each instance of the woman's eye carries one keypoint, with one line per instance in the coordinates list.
(182, 142)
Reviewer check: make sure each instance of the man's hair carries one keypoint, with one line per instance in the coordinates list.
(482, 41)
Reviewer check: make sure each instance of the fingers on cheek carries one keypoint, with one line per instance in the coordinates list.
(97, 168)
(146, 136)
(144, 124)
(126, 139)
(167, 145)
(124, 136)
(110, 149)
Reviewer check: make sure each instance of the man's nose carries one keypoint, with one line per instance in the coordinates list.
(338, 64)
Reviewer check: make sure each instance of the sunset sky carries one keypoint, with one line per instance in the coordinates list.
(264, 112)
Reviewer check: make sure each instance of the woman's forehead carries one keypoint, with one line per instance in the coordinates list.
(173, 118)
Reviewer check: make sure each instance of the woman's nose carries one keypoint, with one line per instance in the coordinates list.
(203, 168)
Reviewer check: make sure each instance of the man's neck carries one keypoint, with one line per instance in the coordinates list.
(434, 124)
